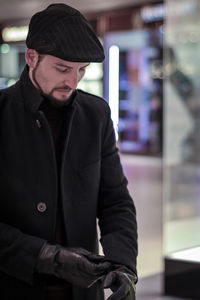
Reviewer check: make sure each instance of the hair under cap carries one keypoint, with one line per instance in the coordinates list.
(62, 31)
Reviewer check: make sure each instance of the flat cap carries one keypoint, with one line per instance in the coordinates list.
(62, 31)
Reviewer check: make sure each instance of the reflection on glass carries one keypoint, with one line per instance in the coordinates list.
(192, 255)
(181, 126)
(140, 90)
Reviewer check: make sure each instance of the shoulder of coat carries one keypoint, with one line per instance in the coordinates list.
(89, 96)
(9, 93)
(91, 99)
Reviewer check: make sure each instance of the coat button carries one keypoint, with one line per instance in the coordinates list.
(41, 207)
(39, 125)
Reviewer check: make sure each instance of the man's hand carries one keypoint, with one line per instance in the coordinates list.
(122, 283)
(75, 265)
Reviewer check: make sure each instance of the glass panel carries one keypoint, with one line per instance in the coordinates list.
(12, 62)
(182, 127)
(140, 89)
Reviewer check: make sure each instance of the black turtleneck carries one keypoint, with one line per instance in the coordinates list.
(55, 116)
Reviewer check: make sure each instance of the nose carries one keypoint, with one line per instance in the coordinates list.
(72, 80)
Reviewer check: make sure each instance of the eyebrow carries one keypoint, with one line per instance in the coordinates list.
(65, 66)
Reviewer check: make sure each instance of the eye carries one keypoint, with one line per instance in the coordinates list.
(63, 70)
(82, 70)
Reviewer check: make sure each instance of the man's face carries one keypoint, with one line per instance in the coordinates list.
(56, 78)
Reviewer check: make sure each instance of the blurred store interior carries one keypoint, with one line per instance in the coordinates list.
(150, 80)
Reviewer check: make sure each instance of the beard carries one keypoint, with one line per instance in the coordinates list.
(54, 102)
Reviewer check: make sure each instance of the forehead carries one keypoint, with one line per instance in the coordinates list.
(58, 61)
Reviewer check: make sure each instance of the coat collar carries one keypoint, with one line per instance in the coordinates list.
(31, 96)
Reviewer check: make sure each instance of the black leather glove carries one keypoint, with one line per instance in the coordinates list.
(75, 265)
(122, 283)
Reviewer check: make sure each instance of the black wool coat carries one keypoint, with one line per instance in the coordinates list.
(92, 186)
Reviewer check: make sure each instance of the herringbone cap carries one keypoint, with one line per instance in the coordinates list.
(62, 31)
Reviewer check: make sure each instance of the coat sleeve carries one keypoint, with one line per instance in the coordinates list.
(18, 253)
(116, 213)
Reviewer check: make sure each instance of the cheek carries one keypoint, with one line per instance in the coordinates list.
(47, 82)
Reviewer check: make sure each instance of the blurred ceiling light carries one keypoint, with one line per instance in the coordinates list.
(15, 34)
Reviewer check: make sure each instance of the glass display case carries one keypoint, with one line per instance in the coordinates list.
(138, 103)
(12, 62)
(181, 154)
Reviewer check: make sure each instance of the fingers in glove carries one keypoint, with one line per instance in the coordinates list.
(95, 257)
(123, 293)
(120, 294)
(92, 268)
(99, 279)
(121, 286)
(110, 280)
(129, 296)
(102, 267)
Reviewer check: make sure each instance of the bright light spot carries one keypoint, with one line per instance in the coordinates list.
(192, 255)
(94, 72)
(5, 48)
(15, 34)
(114, 86)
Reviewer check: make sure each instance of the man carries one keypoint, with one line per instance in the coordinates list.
(60, 172)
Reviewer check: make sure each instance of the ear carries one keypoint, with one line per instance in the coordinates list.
(31, 57)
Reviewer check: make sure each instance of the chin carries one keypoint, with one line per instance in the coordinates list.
(62, 97)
